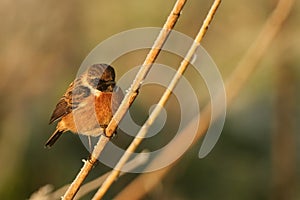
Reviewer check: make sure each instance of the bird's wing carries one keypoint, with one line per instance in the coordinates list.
(71, 100)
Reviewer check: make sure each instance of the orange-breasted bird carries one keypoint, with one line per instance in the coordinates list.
(88, 104)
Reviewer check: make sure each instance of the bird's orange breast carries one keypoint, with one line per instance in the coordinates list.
(103, 107)
(90, 118)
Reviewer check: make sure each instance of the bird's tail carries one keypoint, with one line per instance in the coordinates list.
(53, 138)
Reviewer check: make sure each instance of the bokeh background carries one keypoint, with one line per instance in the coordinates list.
(43, 44)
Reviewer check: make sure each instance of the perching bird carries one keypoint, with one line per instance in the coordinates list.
(88, 104)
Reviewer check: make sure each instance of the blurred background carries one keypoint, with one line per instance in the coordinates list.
(43, 44)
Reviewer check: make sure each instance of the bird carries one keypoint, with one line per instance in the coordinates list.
(88, 103)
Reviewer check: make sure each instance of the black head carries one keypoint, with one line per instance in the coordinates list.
(101, 77)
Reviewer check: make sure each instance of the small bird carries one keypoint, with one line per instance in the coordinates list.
(88, 104)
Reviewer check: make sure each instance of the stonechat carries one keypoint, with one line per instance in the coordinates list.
(88, 104)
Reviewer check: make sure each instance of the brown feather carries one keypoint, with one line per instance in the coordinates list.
(53, 138)
(63, 107)
(75, 94)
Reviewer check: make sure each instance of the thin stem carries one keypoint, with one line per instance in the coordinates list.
(87, 167)
(45, 191)
(248, 63)
(143, 131)
(145, 68)
(128, 99)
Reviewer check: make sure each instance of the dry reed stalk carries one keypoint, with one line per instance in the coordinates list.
(127, 101)
(143, 131)
(239, 77)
